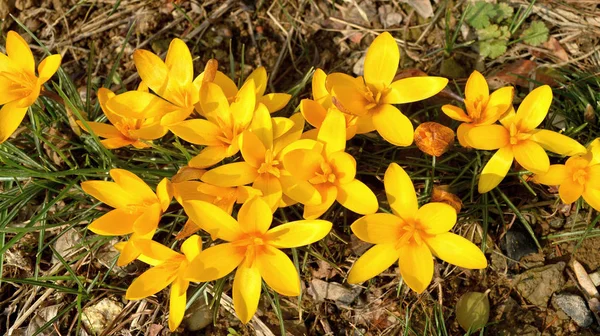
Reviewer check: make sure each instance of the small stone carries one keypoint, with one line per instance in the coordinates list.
(538, 284)
(359, 66)
(322, 290)
(198, 316)
(556, 222)
(517, 244)
(574, 306)
(66, 245)
(595, 278)
(100, 315)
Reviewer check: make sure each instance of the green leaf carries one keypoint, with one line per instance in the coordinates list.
(503, 12)
(493, 40)
(478, 16)
(493, 32)
(492, 49)
(536, 34)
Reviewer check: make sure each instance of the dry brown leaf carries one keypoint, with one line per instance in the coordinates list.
(433, 138)
(556, 49)
(441, 194)
(210, 70)
(515, 73)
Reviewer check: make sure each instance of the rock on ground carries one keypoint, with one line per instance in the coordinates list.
(574, 306)
(100, 315)
(321, 290)
(538, 284)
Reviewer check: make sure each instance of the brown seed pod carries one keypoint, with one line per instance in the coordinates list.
(441, 194)
(210, 70)
(433, 138)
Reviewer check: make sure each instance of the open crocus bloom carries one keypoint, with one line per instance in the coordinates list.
(168, 268)
(579, 176)
(172, 79)
(272, 101)
(411, 235)
(223, 125)
(372, 96)
(134, 115)
(137, 208)
(519, 139)
(19, 86)
(263, 148)
(482, 107)
(325, 164)
(252, 248)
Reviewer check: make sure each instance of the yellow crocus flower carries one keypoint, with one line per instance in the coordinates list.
(372, 96)
(134, 115)
(263, 148)
(411, 236)
(223, 125)
(325, 164)
(137, 208)
(173, 79)
(19, 85)
(252, 248)
(168, 268)
(482, 107)
(578, 177)
(519, 139)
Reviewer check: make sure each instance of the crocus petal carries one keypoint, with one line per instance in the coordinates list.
(343, 166)
(461, 133)
(213, 220)
(231, 175)
(381, 61)
(278, 271)
(357, 197)
(303, 164)
(298, 233)
(154, 250)
(149, 219)
(242, 109)
(313, 112)
(179, 62)
(319, 90)
(19, 52)
(117, 222)
(215, 262)
(129, 254)
(262, 126)
(364, 125)
(487, 137)
(275, 101)
(376, 260)
(252, 148)
(229, 87)
(456, 250)
(531, 156)
(333, 132)
(416, 266)
(11, 117)
(592, 197)
(348, 97)
(281, 126)
(499, 103)
(412, 89)
(208, 157)
(198, 132)
(192, 247)
(328, 196)
(48, 67)
(139, 105)
(379, 228)
(259, 78)
(151, 69)
(455, 113)
(255, 216)
(246, 292)
(177, 301)
(290, 136)
(109, 193)
(164, 193)
(114, 143)
(393, 125)
(436, 218)
(555, 175)
(557, 143)
(477, 87)
(570, 191)
(151, 282)
(400, 192)
(496, 169)
(271, 189)
(299, 190)
(533, 108)
(214, 103)
(100, 129)
(593, 178)
(133, 185)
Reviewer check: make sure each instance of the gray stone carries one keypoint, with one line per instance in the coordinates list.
(517, 244)
(100, 315)
(538, 284)
(556, 222)
(574, 306)
(595, 277)
(343, 296)
(198, 316)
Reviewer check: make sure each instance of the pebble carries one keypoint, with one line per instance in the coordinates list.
(538, 284)
(574, 306)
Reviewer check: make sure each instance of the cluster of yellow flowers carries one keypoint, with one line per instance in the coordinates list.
(281, 164)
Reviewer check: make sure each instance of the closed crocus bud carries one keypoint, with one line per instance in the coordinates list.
(433, 138)
(473, 310)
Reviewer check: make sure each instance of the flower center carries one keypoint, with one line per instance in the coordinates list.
(517, 136)
(476, 108)
(580, 176)
(271, 165)
(325, 175)
(373, 96)
(20, 84)
(253, 243)
(411, 232)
